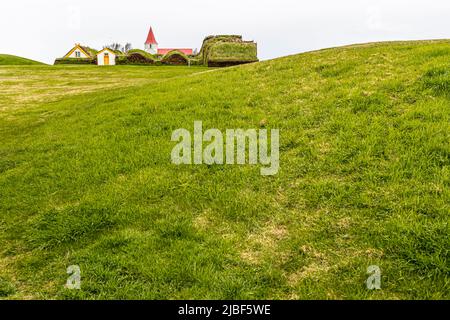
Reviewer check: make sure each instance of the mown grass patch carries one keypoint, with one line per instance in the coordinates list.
(438, 79)
(86, 179)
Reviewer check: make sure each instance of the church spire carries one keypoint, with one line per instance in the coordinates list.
(151, 37)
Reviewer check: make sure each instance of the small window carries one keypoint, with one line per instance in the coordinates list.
(77, 54)
(106, 54)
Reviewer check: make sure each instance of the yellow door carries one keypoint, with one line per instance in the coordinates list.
(106, 59)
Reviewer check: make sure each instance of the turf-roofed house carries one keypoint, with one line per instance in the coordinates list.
(78, 55)
(216, 51)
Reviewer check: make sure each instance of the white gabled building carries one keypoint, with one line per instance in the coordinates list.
(106, 57)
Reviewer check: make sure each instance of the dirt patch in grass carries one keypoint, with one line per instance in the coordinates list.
(263, 243)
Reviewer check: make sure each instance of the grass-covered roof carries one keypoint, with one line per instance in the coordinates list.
(223, 48)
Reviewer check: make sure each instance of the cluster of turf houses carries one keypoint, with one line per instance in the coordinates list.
(216, 51)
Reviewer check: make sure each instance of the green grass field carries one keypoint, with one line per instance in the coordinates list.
(7, 59)
(86, 179)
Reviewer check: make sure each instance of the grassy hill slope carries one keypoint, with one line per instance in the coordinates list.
(86, 179)
(6, 59)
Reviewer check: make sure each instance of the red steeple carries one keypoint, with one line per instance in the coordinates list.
(151, 38)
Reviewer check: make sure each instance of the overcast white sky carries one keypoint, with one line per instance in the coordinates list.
(46, 29)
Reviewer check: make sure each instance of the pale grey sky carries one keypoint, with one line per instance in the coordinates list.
(46, 29)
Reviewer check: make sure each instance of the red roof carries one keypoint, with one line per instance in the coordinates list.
(151, 38)
(187, 52)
